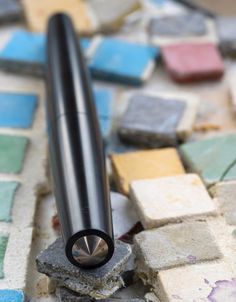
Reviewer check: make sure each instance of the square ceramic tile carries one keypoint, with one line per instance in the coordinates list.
(7, 194)
(225, 27)
(3, 246)
(10, 11)
(9, 295)
(170, 199)
(143, 165)
(190, 62)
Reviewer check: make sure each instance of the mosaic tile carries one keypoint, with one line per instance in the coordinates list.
(213, 158)
(8, 295)
(7, 193)
(225, 27)
(151, 121)
(10, 11)
(38, 12)
(181, 25)
(110, 14)
(160, 249)
(190, 62)
(17, 110)
(104, 103)
(3, 246)
(30, 58)
(98, 283)
(121, 61)
(143, 165)
(12, 152)
(170, 199)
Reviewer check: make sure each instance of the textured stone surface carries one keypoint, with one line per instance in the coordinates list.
(225, 193)
(212, 282)
(121, 61)
(3, 246)
(169, 199)
(144, 164)
(151, 121)
(162, 248)
(12, 152)
(213, 158)
(7, 295)
(227, 35)
(38, 12)
(189, 62)
(181, 25)
(97, 283)
(123, 214)
(10, 10)
(7, 193)
(17, 110)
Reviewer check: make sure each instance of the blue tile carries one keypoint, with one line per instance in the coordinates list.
(122, 61)
(8, 295)
(29, 47)
(104, 102)
(17, 110)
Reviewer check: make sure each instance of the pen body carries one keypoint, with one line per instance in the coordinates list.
(76, 151)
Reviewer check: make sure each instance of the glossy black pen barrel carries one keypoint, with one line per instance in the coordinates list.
(76, 150)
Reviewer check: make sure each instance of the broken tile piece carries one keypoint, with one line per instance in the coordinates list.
(160, 249)
(213, 158)
(201, 282)
(190, 62)
(121, 61)
(170, 199)
(225, 193)
(12, 152)
(151, 121)
(38, 12)
(7, 193)
(97, 283)
(10, 11)
(181, 25)
(104, 103)
(143, 165)
(225, 27)
(3, 246)
(123, 214)
(9, 295)
(110, 14)
(17, 109)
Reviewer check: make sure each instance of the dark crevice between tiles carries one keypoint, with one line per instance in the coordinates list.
(228, 169)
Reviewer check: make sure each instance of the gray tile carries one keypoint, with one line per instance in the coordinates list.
(225, 27)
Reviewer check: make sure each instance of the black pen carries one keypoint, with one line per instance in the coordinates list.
(77, 159)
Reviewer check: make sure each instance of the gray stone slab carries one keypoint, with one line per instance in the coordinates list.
(10, 10)
(193, 24)
(98, 283)
(175, 245)
(226, 30)
(151, 121)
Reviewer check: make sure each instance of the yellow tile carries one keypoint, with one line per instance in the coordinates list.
(144, 165)
(37, 13)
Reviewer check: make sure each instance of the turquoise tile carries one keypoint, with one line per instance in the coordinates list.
(117, 60)
(9, 295)
(17, 110)
(104, 102)
(213, 158)
(7, 194)
(3, 246)
(25, 46)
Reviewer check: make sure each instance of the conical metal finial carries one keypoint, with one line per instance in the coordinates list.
(90, 250)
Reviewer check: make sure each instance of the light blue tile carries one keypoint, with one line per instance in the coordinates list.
(122, 61)
(104, 101)
(17, 110)
(8, 295)
(25, 46)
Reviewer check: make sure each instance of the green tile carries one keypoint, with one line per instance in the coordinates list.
(3, 246)
(7, 193)
(12, 151)
(212, 158)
